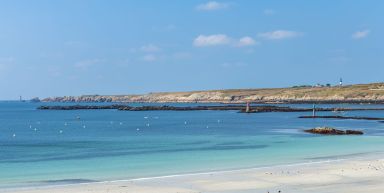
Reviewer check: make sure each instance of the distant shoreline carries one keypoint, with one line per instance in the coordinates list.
(353, 94)
(234, 103)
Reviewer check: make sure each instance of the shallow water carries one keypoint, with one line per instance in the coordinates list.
(41, 147)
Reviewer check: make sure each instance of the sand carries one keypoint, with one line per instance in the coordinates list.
(352, 175)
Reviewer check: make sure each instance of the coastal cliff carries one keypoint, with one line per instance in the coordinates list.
(359, 93)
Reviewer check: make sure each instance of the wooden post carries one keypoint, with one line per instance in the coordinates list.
(247, 109)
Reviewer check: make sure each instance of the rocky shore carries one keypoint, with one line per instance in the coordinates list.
(359, 93)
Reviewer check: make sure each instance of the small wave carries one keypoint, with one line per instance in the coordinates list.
(68, 181)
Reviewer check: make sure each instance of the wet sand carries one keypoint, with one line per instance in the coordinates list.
(336, 176)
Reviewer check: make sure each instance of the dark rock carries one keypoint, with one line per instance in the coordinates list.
(354, 132)
(332, 131)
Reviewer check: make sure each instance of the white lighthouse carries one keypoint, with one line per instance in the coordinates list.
(341, 82)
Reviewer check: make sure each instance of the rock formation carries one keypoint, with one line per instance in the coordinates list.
(333, 131)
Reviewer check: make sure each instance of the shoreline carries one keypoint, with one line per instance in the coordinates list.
(355, 93)
(99, 185)
(260, 102)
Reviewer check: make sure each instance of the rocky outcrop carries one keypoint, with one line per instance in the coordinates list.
(333, 131)
(35, 100)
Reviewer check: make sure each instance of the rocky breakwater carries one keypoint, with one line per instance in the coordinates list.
(187, 108)
(157, 108)
(333, 131)
(81, 107)
(344, 117)
(240, 108)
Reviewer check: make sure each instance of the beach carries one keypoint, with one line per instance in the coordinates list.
(333, 176)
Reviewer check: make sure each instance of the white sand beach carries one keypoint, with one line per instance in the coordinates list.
(352, 176)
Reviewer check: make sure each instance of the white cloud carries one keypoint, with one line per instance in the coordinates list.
(5, 63)
(149, 58)
(170, 27)
(54, 71)
(166, 28)
(269, 12)
(149, 48)
(233, 64)
(279, 34)
(246, 41)
(211, 40)
(338, 56)
(74, 43)
(7, 59)
(211, 6)
(181, 55)
(221, 40)
(339, 59)
(85, 64)
(361, 34)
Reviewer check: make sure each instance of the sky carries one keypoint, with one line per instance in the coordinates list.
(76, 47)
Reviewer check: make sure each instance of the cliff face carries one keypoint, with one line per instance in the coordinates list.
(353, 93)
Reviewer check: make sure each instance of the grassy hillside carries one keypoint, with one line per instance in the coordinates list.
(373, 92)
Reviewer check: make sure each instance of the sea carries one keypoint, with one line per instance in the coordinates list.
(55, 147)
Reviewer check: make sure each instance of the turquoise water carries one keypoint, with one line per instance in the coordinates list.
(40, 147)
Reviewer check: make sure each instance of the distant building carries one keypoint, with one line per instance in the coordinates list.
(341, 82)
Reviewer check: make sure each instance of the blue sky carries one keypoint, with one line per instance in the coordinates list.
(74, 47)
